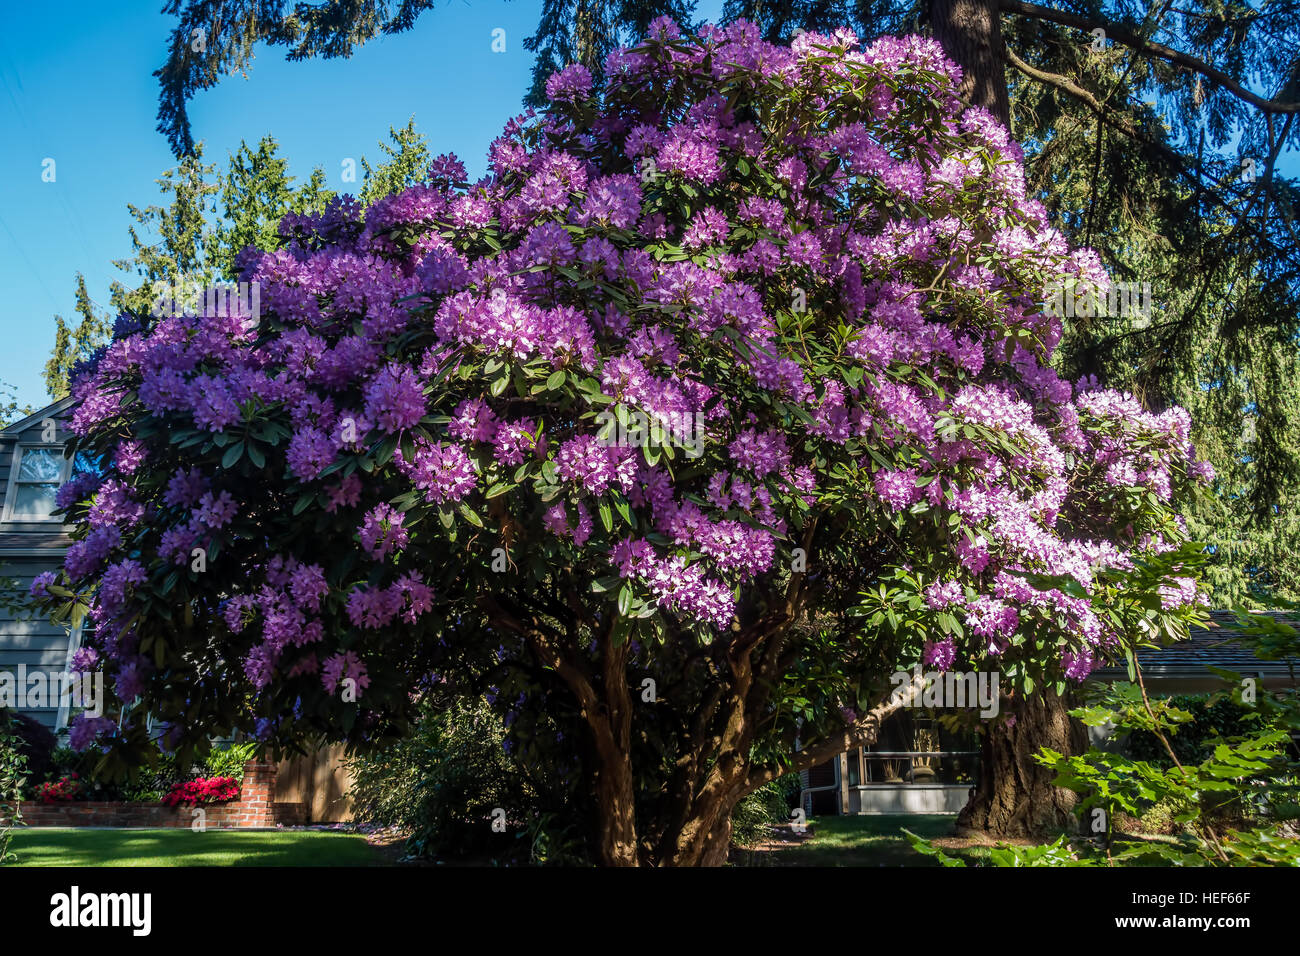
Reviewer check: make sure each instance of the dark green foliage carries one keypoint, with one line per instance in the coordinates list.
(1213, 718)
(766, 807)
(443, 783)
(34, 741)
(75, 344)
(13, 774)
(407, 164)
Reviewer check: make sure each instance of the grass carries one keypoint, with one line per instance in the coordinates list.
(70, 846)
(863, 841)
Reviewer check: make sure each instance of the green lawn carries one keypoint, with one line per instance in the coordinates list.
(59, 846)
(864, 841)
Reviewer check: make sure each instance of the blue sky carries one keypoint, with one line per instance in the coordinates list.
(82, 92)
(78, 88)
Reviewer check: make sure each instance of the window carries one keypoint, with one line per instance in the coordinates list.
(915, 748)
(38, 472)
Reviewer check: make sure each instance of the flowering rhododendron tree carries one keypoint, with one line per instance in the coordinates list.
(724, 395)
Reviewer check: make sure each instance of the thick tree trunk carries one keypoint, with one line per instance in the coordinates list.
(705, 840)
(718, 844)
(970, 32)
(616, 823)
(1015, 796)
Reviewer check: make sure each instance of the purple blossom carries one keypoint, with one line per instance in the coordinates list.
(310, 451)
(940, 654)
(569, 84)
(41, 583)
(395, 398)
(381, 532)
(345, 666)
(84, 730)
(443, 472)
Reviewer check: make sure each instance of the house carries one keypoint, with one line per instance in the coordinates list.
(33, 540)
(919, 766)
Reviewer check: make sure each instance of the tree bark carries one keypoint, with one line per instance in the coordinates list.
(616, 822)
(1015, 796)
(970, 32)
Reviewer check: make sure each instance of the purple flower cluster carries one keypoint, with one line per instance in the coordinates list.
(846, 311)
(381, 532)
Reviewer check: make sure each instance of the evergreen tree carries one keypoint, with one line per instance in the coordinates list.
(10, 410)
(186, 249)
(407, 164)
(74, 344)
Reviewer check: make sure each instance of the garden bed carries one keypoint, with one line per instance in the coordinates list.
(255, 807)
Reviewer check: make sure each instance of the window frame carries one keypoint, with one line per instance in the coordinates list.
(75, 636)
(65, 472)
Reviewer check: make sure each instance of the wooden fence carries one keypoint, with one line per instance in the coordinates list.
(320, 782)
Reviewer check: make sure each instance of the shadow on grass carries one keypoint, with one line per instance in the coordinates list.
(857, 841)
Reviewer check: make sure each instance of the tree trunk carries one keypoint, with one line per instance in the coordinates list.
(718, 844)
(1015, 796)
(970, 32)
(709, 840)
(616, 822)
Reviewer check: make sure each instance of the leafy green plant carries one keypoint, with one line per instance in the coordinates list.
(229, 761)
(1058, 853)
(13, 772)
(444, 782)
(766, 807)
(1234, 805)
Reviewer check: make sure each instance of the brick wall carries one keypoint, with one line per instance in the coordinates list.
(256, 807)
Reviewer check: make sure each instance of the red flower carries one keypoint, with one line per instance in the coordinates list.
(203, 790)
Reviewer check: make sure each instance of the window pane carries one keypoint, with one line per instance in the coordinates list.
(83, 462)
(40, 464)
(33, 501)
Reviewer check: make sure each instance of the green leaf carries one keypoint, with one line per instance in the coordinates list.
(232, 455)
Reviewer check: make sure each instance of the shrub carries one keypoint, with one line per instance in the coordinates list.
(204, 790)
(763, 809)
(444, 782)
(229, 761)
(64, 790)
(733, 375)
(13, 771)
(1213, 718)
(35, 741)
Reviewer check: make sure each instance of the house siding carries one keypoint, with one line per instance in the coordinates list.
(29, 548)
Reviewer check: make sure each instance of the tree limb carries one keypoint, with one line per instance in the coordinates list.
(1142, 44)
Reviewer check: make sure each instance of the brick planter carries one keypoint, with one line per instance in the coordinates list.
(255, 807)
